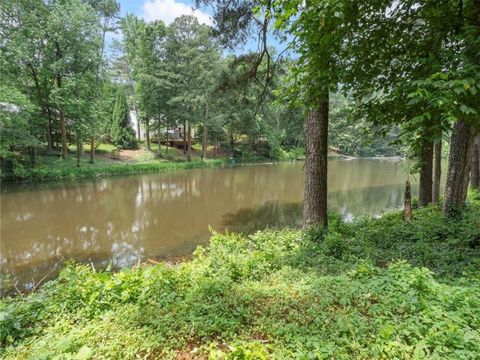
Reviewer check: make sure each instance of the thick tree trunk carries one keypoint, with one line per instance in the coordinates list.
(475, 181)
(189, 145)
(316, 139)
(426, 171)
(459, 163)
(147, 134)
(437, 176)
(92, 149)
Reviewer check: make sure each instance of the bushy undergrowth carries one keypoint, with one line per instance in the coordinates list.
(372, 289)
(46, 173)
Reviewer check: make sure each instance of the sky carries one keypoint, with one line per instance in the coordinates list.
(168, 10)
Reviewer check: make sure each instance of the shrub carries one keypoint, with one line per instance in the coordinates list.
(370, 289)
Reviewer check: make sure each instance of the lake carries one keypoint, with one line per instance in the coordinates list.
(126, 220)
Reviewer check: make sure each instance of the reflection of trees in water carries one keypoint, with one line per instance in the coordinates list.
(100, 223)
(271, 214)
(370, 201)
(138, 217)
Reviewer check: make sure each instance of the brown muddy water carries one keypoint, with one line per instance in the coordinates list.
(126, 220)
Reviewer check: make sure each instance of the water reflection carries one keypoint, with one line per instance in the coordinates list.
(374, 202)
(129, 219)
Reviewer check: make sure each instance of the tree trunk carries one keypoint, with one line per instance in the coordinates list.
(426, 170)
(33, 155)
(316, 141)
(80, 146)
(205, 134)
(475, 181)
(189, 145)
(232, 146)
(63, 134)
(159, 139)
(49, 131)
(459, 163)
(204, 143)
(92, 149)
(167, 141)
(138, 120)
(147, 134)
(78, 152)
(407, 206)
(184, 137)
(63, 129)
(437, 171)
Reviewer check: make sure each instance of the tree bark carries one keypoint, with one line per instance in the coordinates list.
(49, 131)
(78, 152)
(204, 143)
(459, 163)
(63, 134)
(167, 141)
(159, 139)
(147, 134)
(80, 146)
(426, 170)
(316, 140)
(63, 130)
(138, 120)
(92, 149)
(437, 171)
(184, 137)
(189, 145)
(205, 134)
(475, 181)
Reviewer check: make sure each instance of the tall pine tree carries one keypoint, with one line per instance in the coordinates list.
(121, 131)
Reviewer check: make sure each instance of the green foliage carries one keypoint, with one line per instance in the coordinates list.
(100, 169)
(16, 129)
(122, 133)
(392, 289)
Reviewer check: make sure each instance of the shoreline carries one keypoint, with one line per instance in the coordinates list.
(45, 174)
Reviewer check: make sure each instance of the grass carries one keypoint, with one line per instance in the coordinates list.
(100, 169)
(53, 168)
(371, 289)
(50, 167)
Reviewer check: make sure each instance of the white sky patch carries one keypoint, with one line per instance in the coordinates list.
(168, 10)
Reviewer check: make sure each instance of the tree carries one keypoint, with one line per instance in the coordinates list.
(190, 56)
(475, 177)
(122, 133)
(319, 29)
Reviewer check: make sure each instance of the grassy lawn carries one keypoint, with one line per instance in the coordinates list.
(53, 167)
(371, 289)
